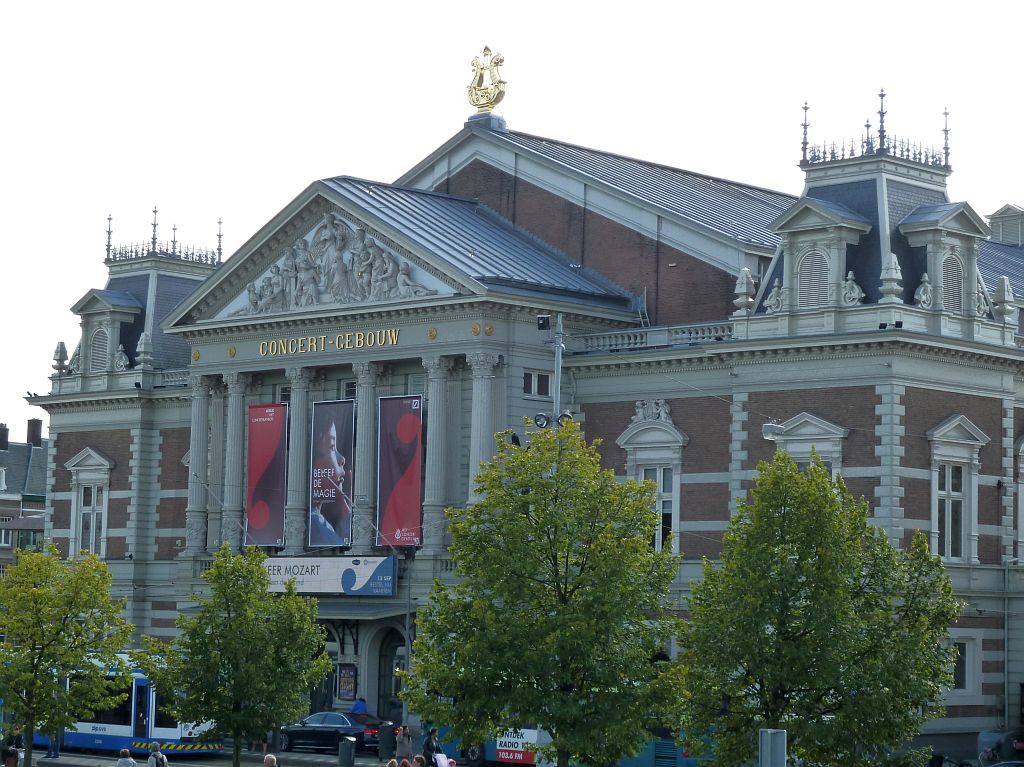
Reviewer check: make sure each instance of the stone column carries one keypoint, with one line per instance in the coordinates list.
(198, 475)
(481, 431)
(215, 503)
(434, 495)
(364, 521)
(296, 510)
(234, 461)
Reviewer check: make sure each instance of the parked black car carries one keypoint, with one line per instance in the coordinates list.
(372, 725)
(322, 730)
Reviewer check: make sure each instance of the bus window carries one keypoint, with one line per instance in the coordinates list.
(163, 717)
(119, 714)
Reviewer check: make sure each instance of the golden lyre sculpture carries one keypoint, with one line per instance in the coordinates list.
(486, 97)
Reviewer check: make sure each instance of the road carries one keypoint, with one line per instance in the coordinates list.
(249, 759)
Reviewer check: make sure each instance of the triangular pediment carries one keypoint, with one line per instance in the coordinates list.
(808, 214)
(956, 217)
(321, 254)
(1007, 210)
(960, 429)
(89, 459)
(99, 301)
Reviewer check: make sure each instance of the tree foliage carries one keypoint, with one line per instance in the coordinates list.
(247, 660)
(559, 609)
(813, 622)
(58, 622)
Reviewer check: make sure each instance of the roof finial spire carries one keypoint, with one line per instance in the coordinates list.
(945, 132)
(174, 239)
(154, 228)
(881, 121)
(110, 232)
(869, 144)
(220, 238)
(803, 144)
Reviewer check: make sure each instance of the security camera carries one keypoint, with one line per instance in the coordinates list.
(543, 322)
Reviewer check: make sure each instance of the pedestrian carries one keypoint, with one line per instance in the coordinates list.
(156, 759)
(419, 761)
(432, 747)
(13, 745)
(53, 744)
(124, 759)
(405, 763)
(269, 761)
(392, 763)
(403, 744)
(359, 707)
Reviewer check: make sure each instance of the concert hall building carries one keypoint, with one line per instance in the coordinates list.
(328, 389)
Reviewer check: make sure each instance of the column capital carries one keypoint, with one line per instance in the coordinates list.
(438, 366)
(300, 377)
(366, 372)
(199, 384)
(236, 382)
(483, 363)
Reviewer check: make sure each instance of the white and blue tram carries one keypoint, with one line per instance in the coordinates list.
(135, 723)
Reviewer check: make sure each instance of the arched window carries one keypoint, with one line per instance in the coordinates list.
(953, 284)
(812, 280)
(98, 352)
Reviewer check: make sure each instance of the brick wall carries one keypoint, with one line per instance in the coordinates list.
(689, 291)
(851, 407)
(927, 408)
(61, 514)
(706, 421)
(706, 543)
(170, 513)
(704, 502)
(917, 498)
(117, 513)
(174, 443)
(607, 420)
(115, 444)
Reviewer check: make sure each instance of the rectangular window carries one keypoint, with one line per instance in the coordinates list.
(960, 666)
(284, 393)
(536, 384)
(5, 534)
(90, 514)
(416, 383)
(662, 478)
(346, 389)
(951, 510)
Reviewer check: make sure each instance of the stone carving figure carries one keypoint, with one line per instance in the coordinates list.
(651, 410)
(290, 276)
(306, 292)
(774, 302)
(121, 362)
(852, 293)
(75, 364)
(407, 288)
(923, 294)
(383, 271)
(362, 266)
(641, 412)
(661, 412)
(981, 303)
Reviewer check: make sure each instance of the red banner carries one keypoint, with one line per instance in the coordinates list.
(332, 450)
(264, 508)
(399, 471)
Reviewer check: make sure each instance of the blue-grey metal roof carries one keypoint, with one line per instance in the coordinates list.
(841, 210)
(930, 214)
(736, 210)
(997, 260)
(477, 241)
(120, 298)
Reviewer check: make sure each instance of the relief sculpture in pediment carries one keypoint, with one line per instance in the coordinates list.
(334, 265)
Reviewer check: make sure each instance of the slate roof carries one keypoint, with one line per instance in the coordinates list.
(477, 241)
(120, 298)
(26, 468)
(930, 214)
(841, 210)
(997, 260)
(729, 208)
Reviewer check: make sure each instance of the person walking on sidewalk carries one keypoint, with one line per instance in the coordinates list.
(156, 759)
(269, 761)
(124, 759)
(403, 744)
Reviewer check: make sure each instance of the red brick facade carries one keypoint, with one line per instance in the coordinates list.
(174, 443)
(115, 445)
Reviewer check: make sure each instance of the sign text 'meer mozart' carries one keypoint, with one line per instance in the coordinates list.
(357, 339)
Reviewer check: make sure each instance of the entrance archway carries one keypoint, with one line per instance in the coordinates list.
(392, 658)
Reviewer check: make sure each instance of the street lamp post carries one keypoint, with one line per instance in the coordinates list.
(410, 555)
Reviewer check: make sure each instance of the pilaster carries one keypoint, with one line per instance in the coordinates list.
(364, 522)
(296, 510)
(481, 438)
(198, 474)
(438, 371)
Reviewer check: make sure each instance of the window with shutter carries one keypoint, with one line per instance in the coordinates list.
(98, 352)
(812, 280)
(953, 285)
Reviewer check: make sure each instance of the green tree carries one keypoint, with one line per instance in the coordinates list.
(813, 622)
(59, 622)
(560, 608)
(247, 660)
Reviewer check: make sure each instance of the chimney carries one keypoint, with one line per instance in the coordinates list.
(35, 432)
(3, 436)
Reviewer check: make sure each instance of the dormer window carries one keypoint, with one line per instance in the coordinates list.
(812, 280)
(98, 352)
(953, 284)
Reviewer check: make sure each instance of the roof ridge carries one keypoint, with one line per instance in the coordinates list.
(650, 163)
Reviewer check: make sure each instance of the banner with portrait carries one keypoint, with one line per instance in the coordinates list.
(268, 466)
(331, 462)
(399, 471)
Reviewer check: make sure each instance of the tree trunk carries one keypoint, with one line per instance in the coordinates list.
(29, 734)
(236, 751)
(562, 758)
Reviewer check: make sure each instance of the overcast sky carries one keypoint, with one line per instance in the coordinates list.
(229, 110)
